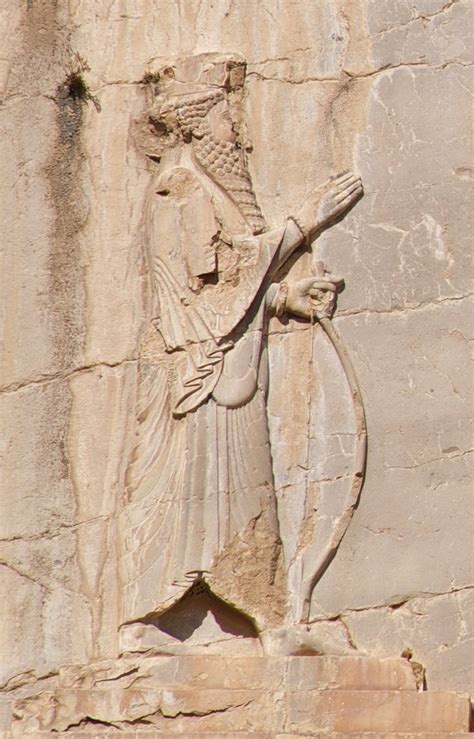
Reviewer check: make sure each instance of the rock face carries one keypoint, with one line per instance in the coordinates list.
(236, 242)
(185, 695)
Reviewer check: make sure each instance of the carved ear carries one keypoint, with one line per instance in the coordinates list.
(153, 135)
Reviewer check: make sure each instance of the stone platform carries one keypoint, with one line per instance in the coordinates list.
(212, 696)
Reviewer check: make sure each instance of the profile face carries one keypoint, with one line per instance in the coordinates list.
(221, 122)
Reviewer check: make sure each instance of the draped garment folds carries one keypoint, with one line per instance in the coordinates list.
(200, 491)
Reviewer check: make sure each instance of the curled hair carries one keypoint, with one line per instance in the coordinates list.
(189, 111)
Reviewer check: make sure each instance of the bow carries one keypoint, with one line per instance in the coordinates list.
(324, 302)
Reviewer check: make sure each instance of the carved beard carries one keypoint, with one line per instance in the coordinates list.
(227, 166)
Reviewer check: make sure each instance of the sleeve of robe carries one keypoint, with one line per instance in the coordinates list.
(182, 237)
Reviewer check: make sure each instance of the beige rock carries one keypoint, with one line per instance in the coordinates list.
(436, 629)
(349, 712)
(261, 735)
(253, 673)
(380, 88)
(187, 695)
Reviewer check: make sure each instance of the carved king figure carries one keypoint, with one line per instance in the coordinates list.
(201, 505)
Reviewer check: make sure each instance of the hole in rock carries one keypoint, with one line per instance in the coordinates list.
(200, 613)
(211, 278)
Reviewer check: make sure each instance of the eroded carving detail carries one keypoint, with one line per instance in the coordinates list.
(200, 494)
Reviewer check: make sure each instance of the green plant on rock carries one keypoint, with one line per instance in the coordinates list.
(152, 79)
(75, 85)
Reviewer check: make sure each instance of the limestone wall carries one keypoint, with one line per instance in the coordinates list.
(382, 88)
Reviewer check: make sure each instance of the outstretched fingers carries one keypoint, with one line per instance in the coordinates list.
(344, 178)
(350, 191)
(347, 201)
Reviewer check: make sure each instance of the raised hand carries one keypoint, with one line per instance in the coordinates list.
(329, 201)
(343, 191)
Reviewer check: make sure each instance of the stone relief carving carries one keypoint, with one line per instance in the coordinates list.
(200, 512)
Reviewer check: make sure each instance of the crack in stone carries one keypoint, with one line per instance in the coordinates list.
(127, 673)
(348, 633)
(405, 309)
(394, 602)
(420, 16)
(203, 712)
(51, 533)
(149, 718)
(350, 76)
(28, 677)
(396, 310)
(118, 83)
(90, 721)
(272, 60)
(24, 575)
(61, 377)
(429, 461)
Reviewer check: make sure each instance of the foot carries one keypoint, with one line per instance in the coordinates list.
(328, 638)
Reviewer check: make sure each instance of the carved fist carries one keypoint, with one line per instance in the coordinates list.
(313, 296)
(328, 202)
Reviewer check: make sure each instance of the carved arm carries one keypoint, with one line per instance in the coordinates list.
(327, 203)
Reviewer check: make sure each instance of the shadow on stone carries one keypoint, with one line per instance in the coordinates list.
(200, 610)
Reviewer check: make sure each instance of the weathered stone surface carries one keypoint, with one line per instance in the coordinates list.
(60, 562)
(351, 712)
(253, 673)
(260, 694)
(348, 673)
(380, 88)
(255, 734)
(437, 629)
